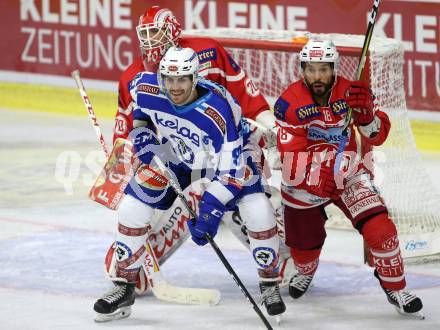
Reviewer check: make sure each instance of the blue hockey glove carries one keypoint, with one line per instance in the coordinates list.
(207, 222)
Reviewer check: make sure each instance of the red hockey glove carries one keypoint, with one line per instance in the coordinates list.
(320, 181)
(359, 97)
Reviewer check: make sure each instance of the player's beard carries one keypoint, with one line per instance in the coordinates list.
(320, 89)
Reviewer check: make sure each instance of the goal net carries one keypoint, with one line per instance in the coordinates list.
(270, 59)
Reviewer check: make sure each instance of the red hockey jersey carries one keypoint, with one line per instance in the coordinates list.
(308, 128)
(215, 64)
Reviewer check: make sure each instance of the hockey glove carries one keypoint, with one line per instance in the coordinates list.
(207, 222)
(145, 143)
(359, 97)
(320, 181)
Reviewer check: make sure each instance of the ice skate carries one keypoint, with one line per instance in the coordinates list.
(271, 298)
(299, 284)
(406, 303)
(116, 303)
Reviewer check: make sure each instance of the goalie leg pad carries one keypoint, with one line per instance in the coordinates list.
(381, 236)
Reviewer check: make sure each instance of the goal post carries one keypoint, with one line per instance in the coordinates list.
(271, 60)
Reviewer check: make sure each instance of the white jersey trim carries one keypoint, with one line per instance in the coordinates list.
(238, 77)
(220, 192)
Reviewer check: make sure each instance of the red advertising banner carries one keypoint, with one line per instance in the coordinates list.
(98, 36)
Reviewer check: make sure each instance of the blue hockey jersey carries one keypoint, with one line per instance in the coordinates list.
(204, 135)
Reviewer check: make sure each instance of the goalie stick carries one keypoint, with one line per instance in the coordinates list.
(161, 289)
(368, 35)
(179, 192)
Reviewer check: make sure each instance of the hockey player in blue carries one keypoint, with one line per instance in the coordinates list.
(196, 128)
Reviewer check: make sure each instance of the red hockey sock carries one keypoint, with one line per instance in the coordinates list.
(381, 236)
(306, 261)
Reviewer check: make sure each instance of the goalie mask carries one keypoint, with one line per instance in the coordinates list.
(157, 30)
(177, 65)
(319, 51)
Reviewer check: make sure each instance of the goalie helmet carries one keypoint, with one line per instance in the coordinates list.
(319, 51)
(157, 30)
(180, 62)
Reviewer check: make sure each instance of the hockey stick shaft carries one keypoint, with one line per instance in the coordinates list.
(187, 295)
(76, 76)
(214, 245)
(359, 72)
(364, 52)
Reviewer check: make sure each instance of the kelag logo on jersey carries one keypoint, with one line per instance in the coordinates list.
(207, 55)
(331, 135)
(181, 130)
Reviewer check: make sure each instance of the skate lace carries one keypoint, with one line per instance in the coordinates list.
(114, 294)
(301, 282)
(270, 295)
(402, 297)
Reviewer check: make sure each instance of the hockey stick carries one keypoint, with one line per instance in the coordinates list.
(363, 57)
(161, 289)
(90, 111)
(179, 192)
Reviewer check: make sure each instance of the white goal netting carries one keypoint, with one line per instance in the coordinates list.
(412, 199)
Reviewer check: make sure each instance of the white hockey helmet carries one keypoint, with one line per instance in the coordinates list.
(319, 51)
(179, 61)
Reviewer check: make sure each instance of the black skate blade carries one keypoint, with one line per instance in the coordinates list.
(120, 313)
(416, 315)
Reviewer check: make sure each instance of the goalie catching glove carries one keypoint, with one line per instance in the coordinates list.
(207, 222)
(360, 98)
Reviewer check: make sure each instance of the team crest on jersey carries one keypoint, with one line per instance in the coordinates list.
(339, 107)
(151, 178)
(308, 111)
(214, 115)
(182, 149)
(280, 108)
(264, 256)
(149, 89)
(207, 55)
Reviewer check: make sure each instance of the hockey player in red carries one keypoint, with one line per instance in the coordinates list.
(311, 113)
